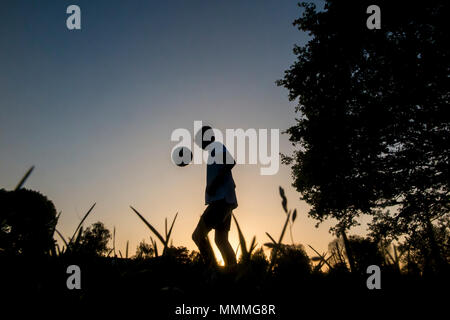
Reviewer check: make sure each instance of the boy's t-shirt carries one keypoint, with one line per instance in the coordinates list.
(226, 190)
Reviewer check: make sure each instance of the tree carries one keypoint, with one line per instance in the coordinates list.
(417, 249)
(144, 250)
(94, 240)
(365, 252)
(372, 131)
(27, 222)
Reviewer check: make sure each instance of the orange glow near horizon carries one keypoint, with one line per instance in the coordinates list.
(259, 209)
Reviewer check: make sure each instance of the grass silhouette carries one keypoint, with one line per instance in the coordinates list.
(164, 240)
(178, 275)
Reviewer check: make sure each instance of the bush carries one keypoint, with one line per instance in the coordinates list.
(94, 240)
(27, 222)
(292, 261)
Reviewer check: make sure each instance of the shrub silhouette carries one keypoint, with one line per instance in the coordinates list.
(292, 262)
(27, 222)
(144, 250)
(94, 240)
(179, 254)
(365, 252)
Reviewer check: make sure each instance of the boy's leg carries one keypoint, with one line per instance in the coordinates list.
(200, 238)
(221, 239)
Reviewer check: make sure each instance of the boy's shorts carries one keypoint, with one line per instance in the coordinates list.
(217, 215)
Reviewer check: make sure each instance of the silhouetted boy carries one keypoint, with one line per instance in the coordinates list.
(220, 197)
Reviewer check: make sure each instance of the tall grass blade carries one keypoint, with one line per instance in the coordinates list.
(53, 250)
(156, 233)
(322, 258)
(155, 248)
(284, 228)
(171, 227)
(165, 227)
(81, 222)
(272, 239)
(58, 249)
(61, 236)
(241, 238)
(78, 239)
(114, 241)
(237, 249)
(55, 222)
(252, 246)
(24, 179)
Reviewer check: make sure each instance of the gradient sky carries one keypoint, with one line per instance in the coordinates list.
(94, 109)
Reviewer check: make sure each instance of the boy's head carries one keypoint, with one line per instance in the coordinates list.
(205, 137)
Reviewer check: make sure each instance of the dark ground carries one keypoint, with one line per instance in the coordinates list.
(155, 287)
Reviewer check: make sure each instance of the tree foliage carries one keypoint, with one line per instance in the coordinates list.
(365, 252)
(144, 250)
(27, 222)
(94, 240)
(372, 130)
